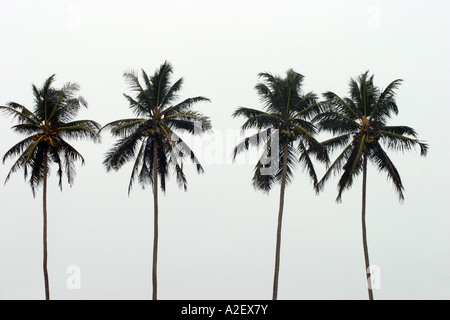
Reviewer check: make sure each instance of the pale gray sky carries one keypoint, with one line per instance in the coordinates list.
(217, 241)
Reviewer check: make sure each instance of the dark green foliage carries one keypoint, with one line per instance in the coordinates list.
(158, 120)
(359, 121)
(286, 119)
(48, 126)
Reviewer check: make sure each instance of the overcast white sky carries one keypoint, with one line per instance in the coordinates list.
(217, 241)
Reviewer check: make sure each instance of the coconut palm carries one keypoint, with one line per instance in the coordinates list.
(152, 137)
(48, 126)
(287, 134)
(359, 123)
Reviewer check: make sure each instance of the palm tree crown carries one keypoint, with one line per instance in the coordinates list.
(48, 127)
(155, 128)
(287, 120)
(360, 123)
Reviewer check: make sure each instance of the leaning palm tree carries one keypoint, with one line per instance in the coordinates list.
(287, 134)
(152, 137)
(48, 126)
(360, 125)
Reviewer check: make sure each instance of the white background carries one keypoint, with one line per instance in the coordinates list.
(217, 241)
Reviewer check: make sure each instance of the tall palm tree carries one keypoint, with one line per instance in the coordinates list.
(360, 125)
(287, 134)
(48, 126)
(152, 137)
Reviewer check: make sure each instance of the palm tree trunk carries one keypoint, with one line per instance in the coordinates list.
(155, 222)
(364, 233)
(280, 218)
(46, 282)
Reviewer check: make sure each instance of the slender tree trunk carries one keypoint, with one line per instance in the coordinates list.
(364, 233)
(155, 223)
(46, 282)
(280, 218)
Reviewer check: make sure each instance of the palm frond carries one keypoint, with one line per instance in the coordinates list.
(124, 127)
(336, 142)
(184, 106)
(137, 107)
(254, 140)
(308, 165)
(401, 130)
(336, 166)
(53, 156)
(352, 167)
(180, 149)
(336, 123)
(345, 107)
(81, 129)
(122, 151)
(159, 84)
(384, 164)
(399, 142)
(171, 93)
(308, 107)
(25, 128)
(136, 165)
(257, 119)
(190, 121)
(386, 101)
(18, 148)
(20, 113)
(37, 165)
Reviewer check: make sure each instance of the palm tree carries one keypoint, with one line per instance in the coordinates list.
(285, 130)
(48, 127)
(152, 137)
(360, 123)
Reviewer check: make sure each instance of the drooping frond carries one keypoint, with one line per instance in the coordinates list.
(384, 164)
(352, 167)
(20, 113)
(336, 166)
(254, 140)
(269, 169)
(122, 151)
(19, 148)
(399, 142)
(180, 149)
(307, 163)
